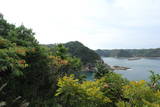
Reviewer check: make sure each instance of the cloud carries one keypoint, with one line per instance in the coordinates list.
(98, 24)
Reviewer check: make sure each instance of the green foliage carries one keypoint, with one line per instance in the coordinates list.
(63, 63)
(155, 80)
(61, 51)
(21, 61)
(102, 69)
(1, 16)
(115, 53)
(113, 86)
(86, 55)
(71, 91)
(19, 35)
(11, 60)
(141, 95)
(4, 43)
(123, 104)
(22, 36)
(75, 94)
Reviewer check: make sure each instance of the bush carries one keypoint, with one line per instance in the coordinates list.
(74, 94)
(113, 86)
(141, 95)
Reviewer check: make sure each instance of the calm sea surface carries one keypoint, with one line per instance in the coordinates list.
(139, 68)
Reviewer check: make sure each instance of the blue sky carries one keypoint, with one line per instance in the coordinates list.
(99, 24)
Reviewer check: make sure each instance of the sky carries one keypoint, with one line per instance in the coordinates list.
(98, 24)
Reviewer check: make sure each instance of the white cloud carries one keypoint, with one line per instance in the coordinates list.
(98, 24)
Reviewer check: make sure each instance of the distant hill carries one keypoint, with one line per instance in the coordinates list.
(86, 55)
(78, 50)
(129, 52)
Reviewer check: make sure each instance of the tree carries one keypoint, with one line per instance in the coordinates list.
(19, 35)
(155, 80)
(113, 87)
(102, 70)
(1, 16)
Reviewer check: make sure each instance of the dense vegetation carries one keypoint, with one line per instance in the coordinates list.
(77, 49)
(37, 76)
(86, 55)
(130, 52)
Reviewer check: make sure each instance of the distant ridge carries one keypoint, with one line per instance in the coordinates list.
(129, 52)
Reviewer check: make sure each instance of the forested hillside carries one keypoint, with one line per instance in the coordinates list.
(86, 55)
(32, 75)
(77, 49)
(129, 52)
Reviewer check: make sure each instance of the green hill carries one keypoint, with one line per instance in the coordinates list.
(86, 55)
(77, 49)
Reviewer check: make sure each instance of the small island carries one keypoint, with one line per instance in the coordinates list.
(134, 58)
(119, 68)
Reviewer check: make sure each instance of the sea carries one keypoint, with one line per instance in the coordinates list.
(139, 69)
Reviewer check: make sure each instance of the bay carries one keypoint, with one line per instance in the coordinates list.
(139, 68)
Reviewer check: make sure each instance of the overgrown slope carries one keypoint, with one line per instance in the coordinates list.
(86, 55)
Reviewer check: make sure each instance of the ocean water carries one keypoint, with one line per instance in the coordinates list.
(139, 68)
